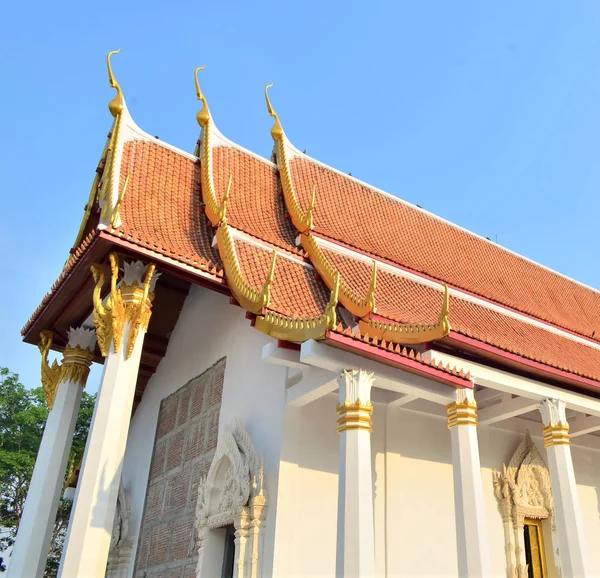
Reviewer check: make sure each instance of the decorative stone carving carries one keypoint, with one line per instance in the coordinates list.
(121, 543)
(233, 493)
(523, 490)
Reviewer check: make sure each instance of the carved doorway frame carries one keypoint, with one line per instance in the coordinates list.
(523, 490)
(233, 493)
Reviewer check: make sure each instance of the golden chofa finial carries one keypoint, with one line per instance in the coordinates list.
(117, 104)
(277, 130)
(203, 115)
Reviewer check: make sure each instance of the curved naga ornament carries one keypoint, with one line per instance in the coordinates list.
(50, 373)
(248, 297)
(116, 106)
(360, 306)
(215, 211)
(410, 333)
(300, 329)
(303, 221)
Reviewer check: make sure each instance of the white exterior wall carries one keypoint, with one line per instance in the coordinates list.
(209, 328)
(411, 455)
(413, 489)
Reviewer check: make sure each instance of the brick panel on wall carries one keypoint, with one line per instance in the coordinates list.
(185, 442)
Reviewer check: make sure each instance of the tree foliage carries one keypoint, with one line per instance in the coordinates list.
(23, 415)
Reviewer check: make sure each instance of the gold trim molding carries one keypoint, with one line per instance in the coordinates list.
(354, 416)
(129, 303)
(462, 413)
(556, 434)
(409, 333)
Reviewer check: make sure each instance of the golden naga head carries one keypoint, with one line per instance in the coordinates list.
(203, 115)
(277, 130)
(117, 104)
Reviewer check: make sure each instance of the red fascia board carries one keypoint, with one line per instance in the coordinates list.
(394, 359)
(538, 368)
(456, 288)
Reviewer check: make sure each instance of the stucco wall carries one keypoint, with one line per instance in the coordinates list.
(208, 329)
(413, 492)
(413, 486)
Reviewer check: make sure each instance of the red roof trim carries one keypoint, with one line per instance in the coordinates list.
(404, 363)
(536, 366)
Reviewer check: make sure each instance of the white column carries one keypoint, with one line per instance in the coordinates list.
(355, 552)
(471, 530)
(569, 525)
(63, 386)
(121, 326)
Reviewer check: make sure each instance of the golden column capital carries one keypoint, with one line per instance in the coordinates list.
(555, 426)
(355, 409)
(130, 302)
(463, 411)
(75, 366)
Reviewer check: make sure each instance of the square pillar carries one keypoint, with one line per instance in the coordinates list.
(471, 529)
(569, 524)
(355, 551)
(121, 325)
(63, 385)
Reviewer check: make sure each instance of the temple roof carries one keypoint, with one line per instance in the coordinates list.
(313, 253)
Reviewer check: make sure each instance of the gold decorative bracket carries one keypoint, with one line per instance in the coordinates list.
(127, 303)
(50, 373)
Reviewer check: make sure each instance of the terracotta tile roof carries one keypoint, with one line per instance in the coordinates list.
(295, 292)
(361, 217)
(162, 209)
(255, 203)
(162, 206)
(408, 301)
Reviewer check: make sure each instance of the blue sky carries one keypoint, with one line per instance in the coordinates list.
(486, 113)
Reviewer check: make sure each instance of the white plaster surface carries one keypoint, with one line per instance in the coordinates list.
(208, 329)
(415, 533)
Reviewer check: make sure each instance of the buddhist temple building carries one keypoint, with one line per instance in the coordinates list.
(305, 376)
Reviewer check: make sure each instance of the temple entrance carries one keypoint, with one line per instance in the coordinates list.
(228, 553)
(535, 554)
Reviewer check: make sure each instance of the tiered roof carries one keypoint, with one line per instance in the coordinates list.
(312, 253)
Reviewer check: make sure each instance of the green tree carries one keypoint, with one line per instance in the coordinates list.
(23, 415)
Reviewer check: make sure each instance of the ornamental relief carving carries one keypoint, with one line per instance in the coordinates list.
(121, 543)
(523, 490)
(232, 493)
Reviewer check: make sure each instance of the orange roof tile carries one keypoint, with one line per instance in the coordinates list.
(162, 210)
(162, 206)
(295, 292)
(361, 217)
(255, 203)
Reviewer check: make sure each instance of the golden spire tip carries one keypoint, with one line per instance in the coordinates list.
(203, 115)
(117, 104)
